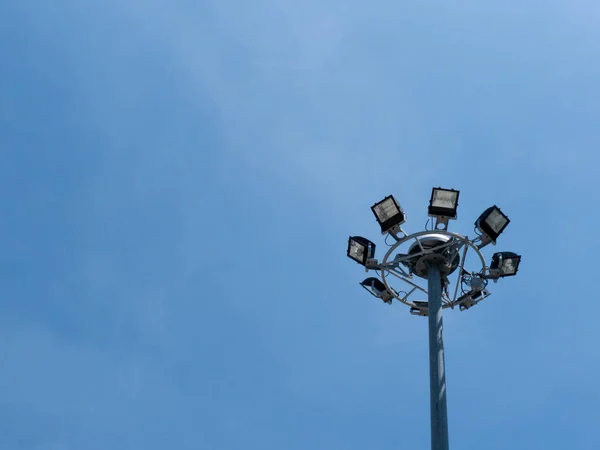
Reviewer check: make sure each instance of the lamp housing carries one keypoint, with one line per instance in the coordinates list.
(360, 249)
(389, 213)
(443, 203)
(492, 223)
(378, 289)
(420, 309)
(505, 264)
(471, 298)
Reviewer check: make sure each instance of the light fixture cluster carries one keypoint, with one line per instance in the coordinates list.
(443, 206)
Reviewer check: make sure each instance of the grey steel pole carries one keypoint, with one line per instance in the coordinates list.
(437, 374)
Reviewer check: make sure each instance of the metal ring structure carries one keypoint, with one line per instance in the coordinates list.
(387, 265)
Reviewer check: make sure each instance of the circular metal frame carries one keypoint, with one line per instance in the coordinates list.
(463, 241)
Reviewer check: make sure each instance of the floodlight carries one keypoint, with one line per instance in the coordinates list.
(388, 213)
(469, 299)
(492, 223)
(377, 289)
(420, 309)
(360, 249)
(444, 203)
(505, 264)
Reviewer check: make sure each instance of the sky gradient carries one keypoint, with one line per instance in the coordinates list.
(178, 181)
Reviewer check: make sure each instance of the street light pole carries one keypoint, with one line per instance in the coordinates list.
(435, 255)
(437, 375)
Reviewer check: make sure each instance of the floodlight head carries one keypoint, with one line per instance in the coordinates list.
(471, 298)
(360, 249)
(377, 289)
(443, 203)
(505, 264)
(420, 309)
(492, 223)
(388, 213)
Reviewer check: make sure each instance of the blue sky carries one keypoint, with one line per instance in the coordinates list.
(178, 181)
